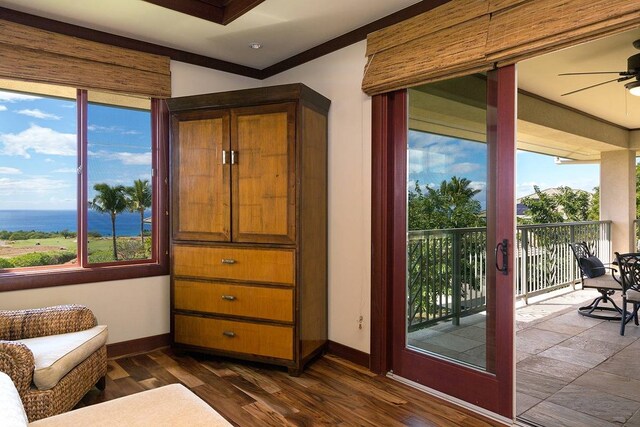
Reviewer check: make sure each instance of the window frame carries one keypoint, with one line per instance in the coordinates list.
(157, 265)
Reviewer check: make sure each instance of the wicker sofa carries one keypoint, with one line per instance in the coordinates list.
(20, 328)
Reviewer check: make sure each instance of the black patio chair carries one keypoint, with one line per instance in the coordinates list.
(629, 265)
(593, 275)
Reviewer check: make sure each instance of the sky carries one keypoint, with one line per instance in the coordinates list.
(38, 150)
(434, 158)
(38, 155)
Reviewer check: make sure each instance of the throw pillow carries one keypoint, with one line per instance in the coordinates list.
(592, 267)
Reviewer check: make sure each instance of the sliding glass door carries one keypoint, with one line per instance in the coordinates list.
(453, 291)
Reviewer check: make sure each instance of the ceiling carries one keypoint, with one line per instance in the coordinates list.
(286, 28)
(283, 27)
(611, 102)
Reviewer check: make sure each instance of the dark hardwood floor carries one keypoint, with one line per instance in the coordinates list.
(331, 391)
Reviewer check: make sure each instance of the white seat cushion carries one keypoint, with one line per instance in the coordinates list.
(11, 410)
(171, 405)
(56, 355)
(633, 296)
(602, 282)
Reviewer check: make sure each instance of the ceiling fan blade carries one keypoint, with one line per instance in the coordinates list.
(621, 79)
(622, 73)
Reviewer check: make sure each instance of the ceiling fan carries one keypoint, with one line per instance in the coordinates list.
(633, 72)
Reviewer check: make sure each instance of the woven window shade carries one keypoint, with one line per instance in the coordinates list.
(46, 57)
(466, 36)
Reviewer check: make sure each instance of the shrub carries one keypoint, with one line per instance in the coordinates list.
(6, 263)
(101, 256)
(42, 258)
(130, 249)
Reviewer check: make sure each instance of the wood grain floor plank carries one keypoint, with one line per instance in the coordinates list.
(330, 392)
(135, 371)
(115, 371)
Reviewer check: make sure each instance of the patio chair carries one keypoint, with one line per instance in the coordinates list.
(629, 265)
(593, 275)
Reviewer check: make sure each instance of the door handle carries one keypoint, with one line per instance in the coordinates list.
(503, 248)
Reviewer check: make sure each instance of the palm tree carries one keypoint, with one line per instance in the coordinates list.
(110, 200)
(139, 200)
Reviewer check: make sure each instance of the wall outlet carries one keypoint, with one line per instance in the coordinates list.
(360, 321)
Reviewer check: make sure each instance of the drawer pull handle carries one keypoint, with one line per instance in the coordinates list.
(228, 297)
(228, 261)
(229, 334)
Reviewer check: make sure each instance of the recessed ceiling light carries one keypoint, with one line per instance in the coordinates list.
(255, 45)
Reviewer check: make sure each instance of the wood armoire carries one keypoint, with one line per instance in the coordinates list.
(249, 224)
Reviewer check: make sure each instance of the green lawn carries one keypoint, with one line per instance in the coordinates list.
(60, 242)
(100, 250)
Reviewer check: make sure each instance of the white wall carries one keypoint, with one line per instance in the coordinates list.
(139, 308)
(134, 308)
(338, 77)
(187, 79)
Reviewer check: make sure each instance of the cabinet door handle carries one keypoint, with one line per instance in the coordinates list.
(224, 157)
(234, 157)
(229, 334)
(228, 261)
(228, 297)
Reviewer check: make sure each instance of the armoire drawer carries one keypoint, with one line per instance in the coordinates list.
(228, 335)
(245, 264)
(234, 299)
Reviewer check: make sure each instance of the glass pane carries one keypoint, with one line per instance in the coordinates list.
(119, 178)
(38, 179)
(447, 201)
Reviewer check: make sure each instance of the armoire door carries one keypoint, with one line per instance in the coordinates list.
(201, 176)
(263, 173)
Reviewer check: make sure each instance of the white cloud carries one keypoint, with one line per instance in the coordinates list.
(526, 188)
(39, 114)
(49, 160)
(15, 97)
(40, 140)
(126, 158)
(64, 170)
(18, 187)
(9, 171)
(478, 185)
(112, 129)
(465, 167)
(3, 108)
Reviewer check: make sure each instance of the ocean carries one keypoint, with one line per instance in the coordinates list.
(127, 223)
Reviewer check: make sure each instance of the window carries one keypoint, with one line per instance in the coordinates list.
(82, 185)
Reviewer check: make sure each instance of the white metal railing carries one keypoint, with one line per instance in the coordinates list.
(447, 268)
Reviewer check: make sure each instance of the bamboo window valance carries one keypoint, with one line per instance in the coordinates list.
(31, 54)
(466, 36)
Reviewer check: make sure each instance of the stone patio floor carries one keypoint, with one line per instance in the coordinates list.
(571, 370)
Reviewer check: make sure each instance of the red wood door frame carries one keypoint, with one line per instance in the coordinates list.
(389, 137)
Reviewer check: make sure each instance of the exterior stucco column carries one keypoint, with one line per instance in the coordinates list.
(618, 197)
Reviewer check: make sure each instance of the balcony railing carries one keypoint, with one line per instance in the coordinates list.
(447, 268)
